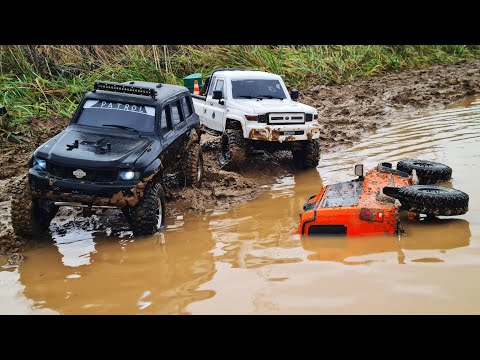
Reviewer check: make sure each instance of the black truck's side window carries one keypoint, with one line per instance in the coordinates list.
(176, 113)
(187, 107)
(165, 121)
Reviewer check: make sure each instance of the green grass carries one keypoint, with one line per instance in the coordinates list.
(50, 80)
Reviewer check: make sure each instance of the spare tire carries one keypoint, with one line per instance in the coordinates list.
(428, 172)
(433, 200)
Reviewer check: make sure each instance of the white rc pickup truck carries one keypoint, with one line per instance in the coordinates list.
(252, 109)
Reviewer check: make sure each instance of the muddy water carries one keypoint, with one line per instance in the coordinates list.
(247, 260)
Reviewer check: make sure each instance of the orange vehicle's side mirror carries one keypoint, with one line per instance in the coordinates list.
(359, 170)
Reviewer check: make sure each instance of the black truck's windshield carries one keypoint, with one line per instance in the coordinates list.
(257, 89)
(100, 113)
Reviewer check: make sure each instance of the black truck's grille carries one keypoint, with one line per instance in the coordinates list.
(94, 175)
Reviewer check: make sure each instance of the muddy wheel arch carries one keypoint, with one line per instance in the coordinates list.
(234, 124)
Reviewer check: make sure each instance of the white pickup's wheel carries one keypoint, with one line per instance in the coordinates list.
(233, 150)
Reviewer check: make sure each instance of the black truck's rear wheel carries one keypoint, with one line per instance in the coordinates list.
(428, 172)
(193, 165)
(148, 216)
(433, 200)
(307, 155)
(30, 216)
(233, 149)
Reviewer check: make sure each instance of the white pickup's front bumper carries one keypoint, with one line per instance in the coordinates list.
(281, 133)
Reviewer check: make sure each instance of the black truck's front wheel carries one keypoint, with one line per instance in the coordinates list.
(306, 155)
(148, 216)
(193, 165)
(30, 216)
(233, 149)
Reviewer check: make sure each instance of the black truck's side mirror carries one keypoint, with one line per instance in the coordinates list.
(217, 95)
(294, 94)
(3, 111)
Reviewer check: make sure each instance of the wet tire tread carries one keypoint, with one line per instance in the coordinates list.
(142, 217)
(234, 148)
(192, 158)
(28, 218)
(445, 202)
(428, 172)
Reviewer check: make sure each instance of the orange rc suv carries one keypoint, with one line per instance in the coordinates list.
(371, 203)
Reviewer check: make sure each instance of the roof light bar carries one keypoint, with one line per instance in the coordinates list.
(121, 88)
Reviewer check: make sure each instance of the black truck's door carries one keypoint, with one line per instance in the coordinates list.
(168, 136)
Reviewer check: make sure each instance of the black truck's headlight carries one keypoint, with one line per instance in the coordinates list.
(39, 164)
(127, 174)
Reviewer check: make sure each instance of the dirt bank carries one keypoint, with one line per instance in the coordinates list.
(347, 112)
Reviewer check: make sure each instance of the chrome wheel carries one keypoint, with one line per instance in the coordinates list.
(200, 169)
(159, 213)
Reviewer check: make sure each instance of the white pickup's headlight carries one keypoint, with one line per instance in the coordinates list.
(127, 174)
(39, 164)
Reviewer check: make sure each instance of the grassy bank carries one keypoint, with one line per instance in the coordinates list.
(50, 80)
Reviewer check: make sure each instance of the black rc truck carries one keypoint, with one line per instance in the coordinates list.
(119, 143)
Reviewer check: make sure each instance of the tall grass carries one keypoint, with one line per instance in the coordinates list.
(50, 80)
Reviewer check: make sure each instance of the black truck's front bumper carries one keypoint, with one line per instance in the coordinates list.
(118, 193)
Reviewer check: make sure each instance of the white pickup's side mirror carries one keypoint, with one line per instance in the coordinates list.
(359, 170)
(294, 94)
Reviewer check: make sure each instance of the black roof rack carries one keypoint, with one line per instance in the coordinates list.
(122, 88)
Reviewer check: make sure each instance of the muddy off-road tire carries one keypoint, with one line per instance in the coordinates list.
(433, 200)
(307, 155)
(193, 165)
(30, 216)
(428, 172)
(233, 149)
(148, 216)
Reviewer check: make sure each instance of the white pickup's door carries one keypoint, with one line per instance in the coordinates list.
(215, 113)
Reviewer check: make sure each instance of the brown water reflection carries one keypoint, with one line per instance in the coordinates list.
(123, 276)
(437, 235)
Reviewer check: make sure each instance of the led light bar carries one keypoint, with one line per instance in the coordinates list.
(126, 89)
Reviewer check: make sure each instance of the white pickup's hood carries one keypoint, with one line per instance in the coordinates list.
(253, 106)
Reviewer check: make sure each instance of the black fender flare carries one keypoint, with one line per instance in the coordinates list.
(154, 167)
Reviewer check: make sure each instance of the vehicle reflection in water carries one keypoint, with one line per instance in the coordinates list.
(124, 275)
(262, 232)
(76, 248)
(430, 239)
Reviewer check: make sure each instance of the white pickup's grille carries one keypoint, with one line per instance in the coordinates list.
(286, 118)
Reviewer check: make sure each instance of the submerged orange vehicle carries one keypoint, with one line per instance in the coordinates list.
(371, 203)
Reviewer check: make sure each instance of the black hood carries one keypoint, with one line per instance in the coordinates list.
(76, 146)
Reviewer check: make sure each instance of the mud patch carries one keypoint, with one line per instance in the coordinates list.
(220, 188)
(13, 156)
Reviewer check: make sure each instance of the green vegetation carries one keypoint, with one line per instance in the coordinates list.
(50, 80)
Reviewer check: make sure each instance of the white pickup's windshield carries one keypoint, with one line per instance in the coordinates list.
(102, 113)
(257, 89)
